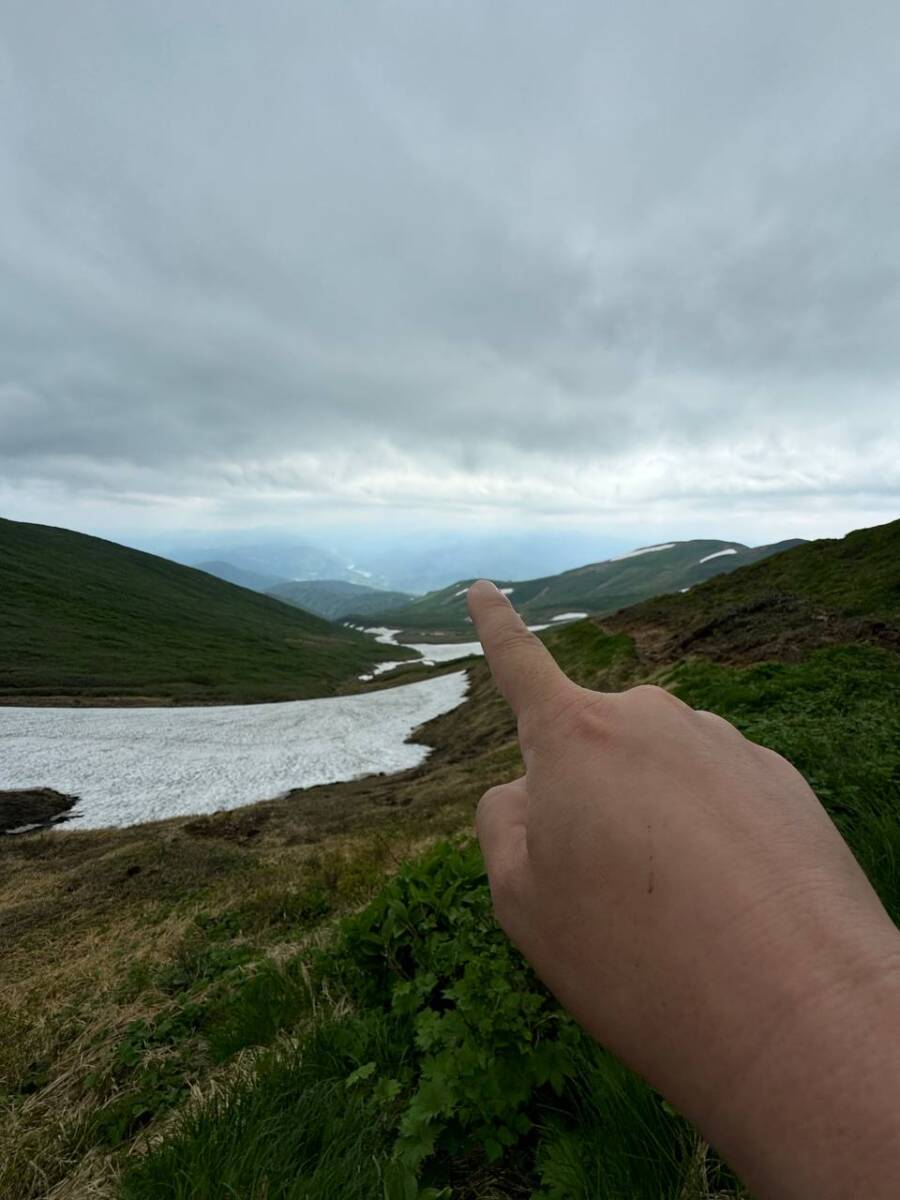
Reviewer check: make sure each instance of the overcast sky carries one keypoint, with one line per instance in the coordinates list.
(633, 265)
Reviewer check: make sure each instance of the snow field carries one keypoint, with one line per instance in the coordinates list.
(143, 764)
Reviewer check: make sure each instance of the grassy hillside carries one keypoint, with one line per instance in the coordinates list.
(83, 619)
(336, 599)
(828, 591)
(597, 588)
(309, 998)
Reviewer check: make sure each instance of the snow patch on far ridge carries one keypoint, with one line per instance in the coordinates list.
(718, 554)
(643, 550)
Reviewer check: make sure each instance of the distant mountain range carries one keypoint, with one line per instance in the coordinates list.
(601, 587)
(423, 561)
(275, 559)
(413, 562)
(335, 598)
(83, 620)
(238, 575)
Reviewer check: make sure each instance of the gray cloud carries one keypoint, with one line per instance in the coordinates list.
(456, 258)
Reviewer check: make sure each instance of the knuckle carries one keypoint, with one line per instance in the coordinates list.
(512, 638)
(489, 798)
(577, 712)
(589, 718)
(713, 720)
(653, 693)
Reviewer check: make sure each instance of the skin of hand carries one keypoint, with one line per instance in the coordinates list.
(684, 894)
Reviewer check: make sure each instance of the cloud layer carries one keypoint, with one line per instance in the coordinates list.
(297, 262)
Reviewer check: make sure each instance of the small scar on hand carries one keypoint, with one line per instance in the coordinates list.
(650, 875)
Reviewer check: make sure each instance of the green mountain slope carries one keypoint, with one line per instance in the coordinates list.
(832, 591)
(335, 598)
(596, 588)
(84, 619)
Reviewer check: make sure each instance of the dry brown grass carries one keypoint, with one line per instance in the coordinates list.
(88, 919)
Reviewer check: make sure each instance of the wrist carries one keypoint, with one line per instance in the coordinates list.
(814, 1109)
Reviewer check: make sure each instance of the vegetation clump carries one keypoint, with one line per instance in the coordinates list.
(462, 1070)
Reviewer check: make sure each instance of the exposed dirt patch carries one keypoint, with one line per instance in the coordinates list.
(776, 626)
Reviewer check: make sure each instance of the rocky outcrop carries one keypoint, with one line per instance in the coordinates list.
(33, 808)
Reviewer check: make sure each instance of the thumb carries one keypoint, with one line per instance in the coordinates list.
(502, 825)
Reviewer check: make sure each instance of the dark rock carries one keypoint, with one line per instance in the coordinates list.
(30, 809)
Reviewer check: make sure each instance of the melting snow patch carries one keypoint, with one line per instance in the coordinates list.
(507, 591)
(145, 764)
(643, 550)
(387, 637)
(683, 590)
(718, 554)
(380, 668)
(569, 616)
(442, 652)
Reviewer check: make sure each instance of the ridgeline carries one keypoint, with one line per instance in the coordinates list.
(597, 588)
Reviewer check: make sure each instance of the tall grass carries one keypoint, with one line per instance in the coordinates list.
(294, 1131)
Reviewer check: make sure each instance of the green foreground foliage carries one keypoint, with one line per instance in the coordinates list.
(453, 1074)
(415, 1055)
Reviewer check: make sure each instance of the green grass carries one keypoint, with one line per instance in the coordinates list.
(455, 1066)
(294, 1131)
(82, 618)
(478, 1083)
(836, 716)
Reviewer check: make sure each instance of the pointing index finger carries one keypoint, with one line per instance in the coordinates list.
(522, 666)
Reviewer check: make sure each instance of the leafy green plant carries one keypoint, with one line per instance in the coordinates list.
(487, 1037)
(454, 1074)
(202, 959)
(150, 1071)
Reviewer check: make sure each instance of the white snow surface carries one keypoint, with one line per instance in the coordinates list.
(718, 554)
(643, 550)
(431, 653)
(506, 591)
(387, 637)
(569, 616)
(461, 592)
(144, 764)
(444, 652)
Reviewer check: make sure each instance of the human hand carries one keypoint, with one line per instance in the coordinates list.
(686, 897)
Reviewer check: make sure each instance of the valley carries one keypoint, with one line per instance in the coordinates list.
(183, 992)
